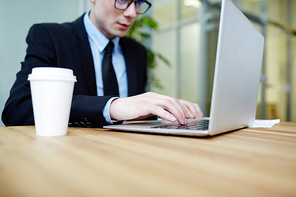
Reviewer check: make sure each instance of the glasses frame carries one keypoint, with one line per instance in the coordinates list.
(149, 5)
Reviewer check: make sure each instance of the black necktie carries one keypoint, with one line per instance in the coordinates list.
(109, 78)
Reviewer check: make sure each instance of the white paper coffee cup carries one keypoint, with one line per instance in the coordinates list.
(52, 92)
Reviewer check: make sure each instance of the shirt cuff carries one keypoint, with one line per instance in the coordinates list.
(106, 111)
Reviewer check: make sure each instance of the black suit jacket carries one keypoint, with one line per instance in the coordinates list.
(66, 45)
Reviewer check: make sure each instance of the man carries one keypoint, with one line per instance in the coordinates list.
(80, 46)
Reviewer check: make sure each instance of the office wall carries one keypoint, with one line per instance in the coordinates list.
(165, 43)
(277, 70)
(16, 17)
(178, 41)
(189, 62)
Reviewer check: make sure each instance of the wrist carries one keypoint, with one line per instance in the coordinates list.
(114, 110)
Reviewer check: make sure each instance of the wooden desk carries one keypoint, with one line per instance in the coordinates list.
(96, 162)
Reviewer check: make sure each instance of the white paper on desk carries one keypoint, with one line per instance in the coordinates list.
(265, 123)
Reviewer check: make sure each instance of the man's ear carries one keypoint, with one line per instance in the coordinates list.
(92, 1)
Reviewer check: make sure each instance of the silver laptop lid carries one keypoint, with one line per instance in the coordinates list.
(237, 71)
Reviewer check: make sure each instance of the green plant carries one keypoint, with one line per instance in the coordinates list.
(139, 31)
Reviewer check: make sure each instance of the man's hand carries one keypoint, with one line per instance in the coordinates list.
(192, 109)
(152, 104)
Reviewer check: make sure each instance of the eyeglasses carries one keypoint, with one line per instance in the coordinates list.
(141, 6)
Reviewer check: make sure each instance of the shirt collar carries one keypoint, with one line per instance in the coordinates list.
(96, 36)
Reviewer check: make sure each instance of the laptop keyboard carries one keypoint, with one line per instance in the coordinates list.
(194, 125)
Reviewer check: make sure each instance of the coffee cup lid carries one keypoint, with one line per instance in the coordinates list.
(52, 73)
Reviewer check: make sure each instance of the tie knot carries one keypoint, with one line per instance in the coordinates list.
(109, 47)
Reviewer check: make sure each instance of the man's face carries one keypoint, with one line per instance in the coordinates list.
(111, 21)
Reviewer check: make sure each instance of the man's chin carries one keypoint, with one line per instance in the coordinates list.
(120, 33)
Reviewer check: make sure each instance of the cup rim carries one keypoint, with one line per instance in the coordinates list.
(32, 77)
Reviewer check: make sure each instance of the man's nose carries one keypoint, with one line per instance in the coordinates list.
(131, 10)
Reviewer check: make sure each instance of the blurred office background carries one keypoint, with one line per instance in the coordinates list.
(187, 37)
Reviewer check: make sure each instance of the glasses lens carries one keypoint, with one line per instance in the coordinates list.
(141, 6)
(121, 4)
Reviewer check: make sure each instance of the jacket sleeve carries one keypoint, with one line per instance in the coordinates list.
(41, 51)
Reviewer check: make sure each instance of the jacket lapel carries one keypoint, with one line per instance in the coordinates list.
(85, 54)
(131, 68)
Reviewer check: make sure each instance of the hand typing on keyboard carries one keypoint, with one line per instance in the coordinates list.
(192, 109)
(152, 104)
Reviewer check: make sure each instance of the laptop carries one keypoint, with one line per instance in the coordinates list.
(235, 86)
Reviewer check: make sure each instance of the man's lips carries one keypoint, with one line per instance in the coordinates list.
(124, 25)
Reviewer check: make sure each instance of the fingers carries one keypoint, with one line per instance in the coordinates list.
(172, 106)
(164, 114)
(193, 109)
(149, 104)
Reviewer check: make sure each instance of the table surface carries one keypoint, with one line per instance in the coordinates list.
(98, 162)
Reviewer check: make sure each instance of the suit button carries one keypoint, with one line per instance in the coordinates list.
(76, 124)
(82, 124)
(88, 124)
